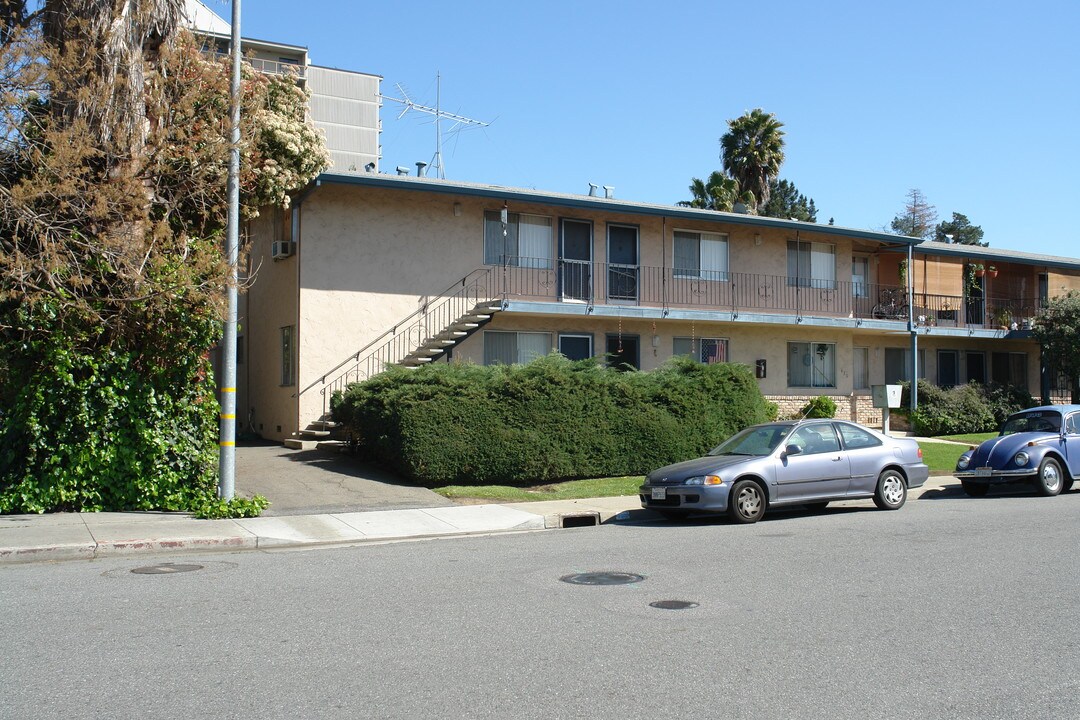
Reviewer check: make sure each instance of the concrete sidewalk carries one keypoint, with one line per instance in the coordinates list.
(84, 536)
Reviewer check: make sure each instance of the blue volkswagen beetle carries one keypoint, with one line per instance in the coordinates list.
(1040, 446)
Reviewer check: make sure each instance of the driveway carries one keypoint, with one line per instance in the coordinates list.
(308, 482)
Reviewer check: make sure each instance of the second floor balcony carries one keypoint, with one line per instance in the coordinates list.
(614, 284)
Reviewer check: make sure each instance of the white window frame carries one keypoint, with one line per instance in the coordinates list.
(823, 376)
(712, 255)
(697, 348)
(578, 336)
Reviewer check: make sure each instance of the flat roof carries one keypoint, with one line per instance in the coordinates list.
(590, 202)
(988, 254)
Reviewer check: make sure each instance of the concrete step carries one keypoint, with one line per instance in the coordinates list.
(298, 444)
(309, 434)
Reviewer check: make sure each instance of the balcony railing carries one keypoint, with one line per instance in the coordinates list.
(621, 284)
(268, 67)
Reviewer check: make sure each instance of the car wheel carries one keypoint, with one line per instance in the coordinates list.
(891, 493)
(817, 506)
(673, 514)
(1049, 481)
(746, 503)
(974, 489)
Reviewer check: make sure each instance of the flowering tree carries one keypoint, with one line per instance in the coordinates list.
(112, 209)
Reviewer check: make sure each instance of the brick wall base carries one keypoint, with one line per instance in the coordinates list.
(859, 408)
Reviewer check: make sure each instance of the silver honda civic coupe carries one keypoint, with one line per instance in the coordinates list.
(798, 462)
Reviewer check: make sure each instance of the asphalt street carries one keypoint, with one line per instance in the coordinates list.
(949, 608)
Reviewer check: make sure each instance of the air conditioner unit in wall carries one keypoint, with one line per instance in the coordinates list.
(282, 249)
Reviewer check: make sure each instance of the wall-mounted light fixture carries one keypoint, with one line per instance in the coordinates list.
(457, 209)
(757, 238)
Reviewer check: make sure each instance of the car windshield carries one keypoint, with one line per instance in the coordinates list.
(756, 441)
(1044, 421)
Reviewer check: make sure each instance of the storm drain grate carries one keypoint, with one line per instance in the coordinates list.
(602, 578)
(166, 569)
(673, 604)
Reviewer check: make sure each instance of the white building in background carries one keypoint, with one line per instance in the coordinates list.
(344, 104)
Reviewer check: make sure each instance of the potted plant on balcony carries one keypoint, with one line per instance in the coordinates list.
(1003, 317)
(979, 269)
(991, 271)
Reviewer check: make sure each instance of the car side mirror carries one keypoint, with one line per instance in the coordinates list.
(792, 450)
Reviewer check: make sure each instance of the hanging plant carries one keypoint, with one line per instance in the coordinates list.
(901, 272)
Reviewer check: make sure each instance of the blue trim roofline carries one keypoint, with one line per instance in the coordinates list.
(588, 202)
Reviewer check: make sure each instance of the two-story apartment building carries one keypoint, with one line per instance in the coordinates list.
(414, 270)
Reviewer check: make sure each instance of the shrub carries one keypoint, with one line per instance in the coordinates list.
(970, 408)
(822, 406)
(549, 420)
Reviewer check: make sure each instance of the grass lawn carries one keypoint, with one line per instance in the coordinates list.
(973, 438)
(569, 490)
(941, 457)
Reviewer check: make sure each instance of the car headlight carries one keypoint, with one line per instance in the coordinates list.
(963, 462)
(703, 480)
(1021, 459)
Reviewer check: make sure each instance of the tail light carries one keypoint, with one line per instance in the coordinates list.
(920, 453)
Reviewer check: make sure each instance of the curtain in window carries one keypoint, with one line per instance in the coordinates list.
(686, 254)
(499, 250)
(860, 276)
(713, 256)
(532, 345)
(534, 241)
(800, 365)
(823, 265)
(860, 368)
(812, 365)
(500, 348)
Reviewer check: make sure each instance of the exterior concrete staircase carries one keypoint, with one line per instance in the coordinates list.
(427, 335)
(436, 346)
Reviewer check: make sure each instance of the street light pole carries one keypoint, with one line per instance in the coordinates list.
(227, 439)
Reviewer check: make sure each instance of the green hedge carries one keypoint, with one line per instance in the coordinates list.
(971, 408)
(549, 420)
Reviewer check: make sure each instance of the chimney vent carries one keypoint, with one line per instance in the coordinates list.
(592, 189)
(420, 165)
(609, 191)
(402, 170)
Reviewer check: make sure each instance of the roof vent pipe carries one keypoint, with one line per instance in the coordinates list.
(402, 170)
(420, 165)
(592, 189)
(609, 191)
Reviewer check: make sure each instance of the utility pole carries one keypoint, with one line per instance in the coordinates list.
(227, 439)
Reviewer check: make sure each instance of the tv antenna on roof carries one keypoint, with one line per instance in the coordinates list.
(439, 113)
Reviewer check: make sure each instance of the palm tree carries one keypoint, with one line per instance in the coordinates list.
(752, 151)
(719, 192)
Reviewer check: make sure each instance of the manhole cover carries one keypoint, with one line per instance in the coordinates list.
(602, 578)
(673, 604)
(166, 569)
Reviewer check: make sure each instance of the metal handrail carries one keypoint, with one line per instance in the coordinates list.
(396, 343)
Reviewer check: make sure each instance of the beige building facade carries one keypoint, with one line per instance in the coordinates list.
(389, 269)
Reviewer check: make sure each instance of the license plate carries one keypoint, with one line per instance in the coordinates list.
(983, 472)
(659, 493)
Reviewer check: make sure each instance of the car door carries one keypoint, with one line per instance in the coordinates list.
(864, 455)
(820, 469)
(1072, 443)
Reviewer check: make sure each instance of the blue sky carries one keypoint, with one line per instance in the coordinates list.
(974, 103)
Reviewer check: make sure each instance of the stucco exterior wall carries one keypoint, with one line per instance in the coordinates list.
(270, 304)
